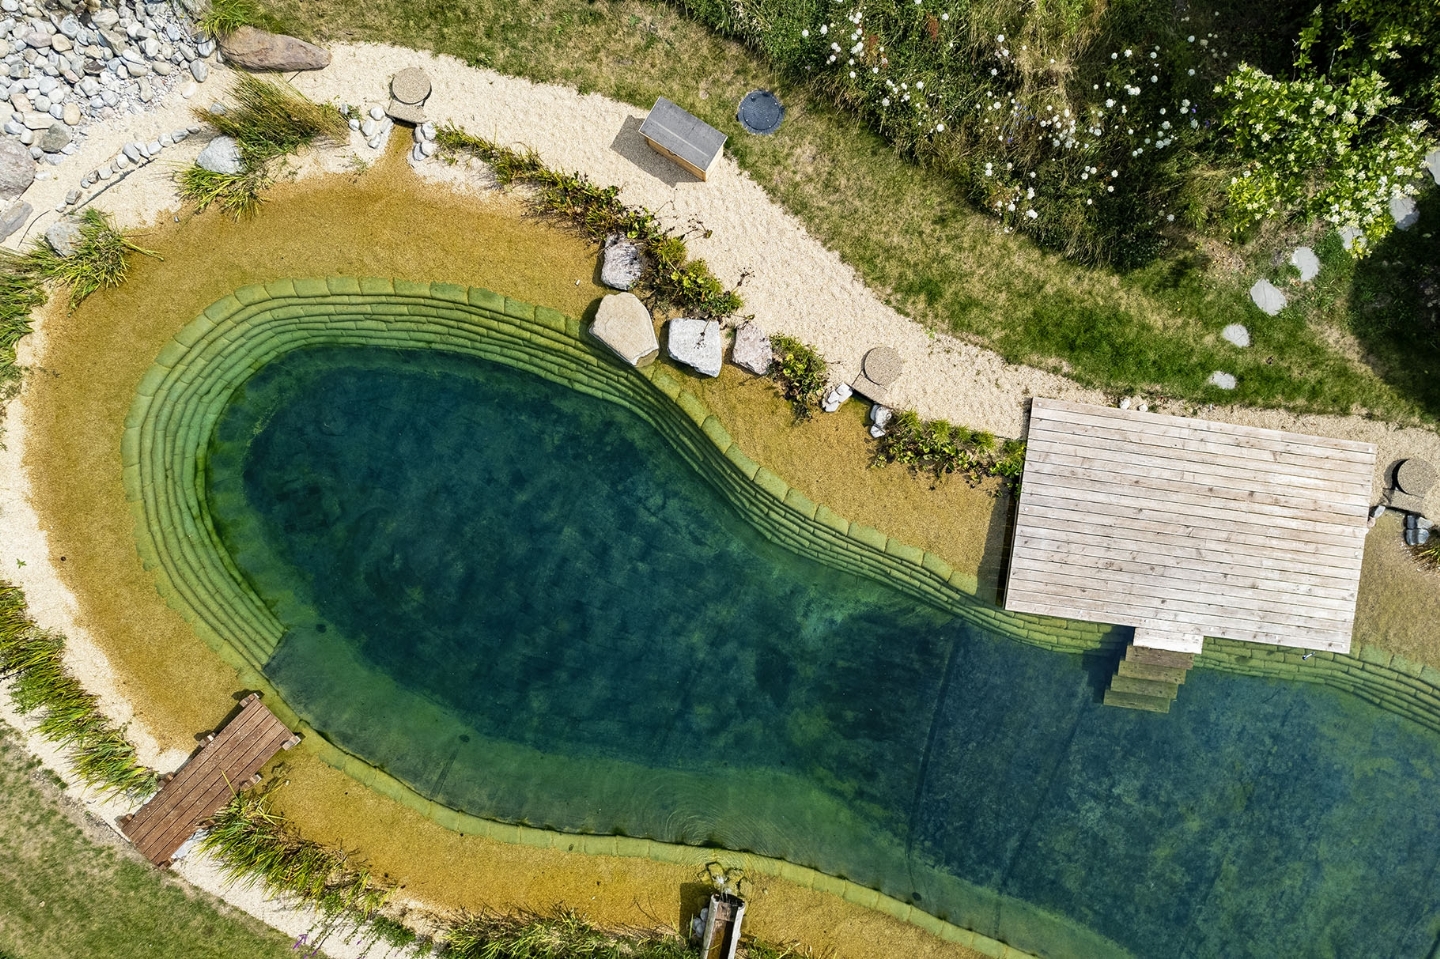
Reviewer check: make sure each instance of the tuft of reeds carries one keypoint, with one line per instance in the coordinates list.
(800, 373)
(268, 120)
(257, 844)
(671, 278)
(68, 715)
(940, 448)
(564, 935)
(226, 16)
(100, 260)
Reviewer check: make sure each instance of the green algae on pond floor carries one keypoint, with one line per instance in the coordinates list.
(519, 600)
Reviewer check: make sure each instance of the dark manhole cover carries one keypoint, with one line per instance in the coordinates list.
(760, 112)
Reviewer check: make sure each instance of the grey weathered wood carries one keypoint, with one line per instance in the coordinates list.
(683, 137)
(1186, 528)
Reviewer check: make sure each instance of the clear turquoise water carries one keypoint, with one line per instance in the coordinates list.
(517, 599)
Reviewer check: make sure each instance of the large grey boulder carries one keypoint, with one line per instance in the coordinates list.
(1305, 260)
(752, 349)
(64, 237)
(221, 155)
(17, 169)
(621, 265)
(1404, 211)
(624, 324)
(1267, 297)
(698, 344)
(13, 217)
(256, 49)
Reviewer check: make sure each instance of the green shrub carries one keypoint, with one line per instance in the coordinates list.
(68, 715)
(670, 278)
(268, 120)
(940, 448)
(800, 372)
(227, 16)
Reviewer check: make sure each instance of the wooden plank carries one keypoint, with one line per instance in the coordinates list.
(1068, 411)
(1124, 545)
(1153, 704)
(1160, 674)
(1169, 487)
(1158, 688)
(1126, 457)
(1150, 656)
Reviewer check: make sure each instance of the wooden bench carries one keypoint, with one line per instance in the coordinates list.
(229, 761)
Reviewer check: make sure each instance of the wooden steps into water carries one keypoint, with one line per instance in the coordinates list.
(1148, 678)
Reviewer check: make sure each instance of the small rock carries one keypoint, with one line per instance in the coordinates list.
(260, 50)
(161, 68)
(121, 162)
(72, 198)
(71, 114)
(697, 343)
(165, 140)
(1378, 511)
(621, 264)
(179, 136)
(104, 173)
(354, 124)
(834, 396)
(13, 217)
(1350, 235)
(752, 349)
(189, 90)
(377, 114)
(369, 128)
(416, 153)
(1422, 536)
(1305, 260)
(205, 47)
(221, 155)
(427, 130)
(1143, 407)
(1267, 297)
(1403, 211)
(17, 170)
(1423, 523)
(374, 143)
(64, 237)
(1237, 334)
(199, 70)
(61, 44)
(1124, 402)
(154, 146)
(55, 139)
(881, 415)
(428, 148)
(624, 325)
(218, 109)
(101, 18)
(1225, 381)
(70, 28)
(132, 152)
(150, 47)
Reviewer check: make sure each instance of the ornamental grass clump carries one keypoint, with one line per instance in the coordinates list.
(941, 448)
(257, 844)
(670, 277)
(68, 715)
(101, 260)
(268, 120)
(800, 373)
(566, 935)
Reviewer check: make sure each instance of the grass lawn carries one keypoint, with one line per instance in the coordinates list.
(908, 232)
(70, 889)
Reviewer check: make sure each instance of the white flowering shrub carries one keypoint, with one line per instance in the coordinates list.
(1322, 151)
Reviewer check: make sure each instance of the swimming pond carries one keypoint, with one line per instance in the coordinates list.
(520, 601)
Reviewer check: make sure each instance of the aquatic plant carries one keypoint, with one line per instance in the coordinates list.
(68, 715)
(800, 372)
(564, 935)
(670, 277)
(940, 448)
(268, 120)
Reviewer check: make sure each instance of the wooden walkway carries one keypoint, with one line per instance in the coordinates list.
(1185, 528)
(229, 762)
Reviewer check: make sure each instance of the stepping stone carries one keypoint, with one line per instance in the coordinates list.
(1432, 161)
(1305, 260)
(878, 370)
(752, 349)
(698, 344)
(624, 324)
(1226, 381)
(1404, 212)
(760, 112)
(1415, 476)
(1267, 297)
(1350, 235)
(409, 89)
(1237, 334)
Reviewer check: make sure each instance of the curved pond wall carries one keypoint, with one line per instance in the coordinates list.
(180, 400)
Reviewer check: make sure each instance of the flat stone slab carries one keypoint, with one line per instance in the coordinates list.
(256, 49)
(1404, 212)
(697, 343)
(882, 365)
(410, 85)
(1267, 297)
(1432, 162)
(623, 323)
(1226, 381)
(405, 112)
(1237, 334)
(1305, 260)
(1415, 476)
(752, 349)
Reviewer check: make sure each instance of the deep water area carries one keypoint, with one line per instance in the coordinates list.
(519, 600)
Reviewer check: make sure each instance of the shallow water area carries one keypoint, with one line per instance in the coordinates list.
(519, 600)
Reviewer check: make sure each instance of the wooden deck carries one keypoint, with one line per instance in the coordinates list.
(1186, 528)
(230, 761)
